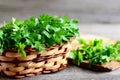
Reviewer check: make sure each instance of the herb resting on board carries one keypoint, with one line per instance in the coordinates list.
(95, 52)
(37, 33)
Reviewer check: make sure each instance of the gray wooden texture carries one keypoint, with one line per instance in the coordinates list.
(87, 11)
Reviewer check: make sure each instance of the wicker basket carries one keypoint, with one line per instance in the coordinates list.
(52, 60)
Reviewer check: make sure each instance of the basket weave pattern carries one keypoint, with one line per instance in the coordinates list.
(52, 60)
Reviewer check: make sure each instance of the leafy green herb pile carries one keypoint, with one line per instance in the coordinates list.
(36, 33)
(95, 52)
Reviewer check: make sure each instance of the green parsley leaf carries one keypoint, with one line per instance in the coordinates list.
(21, 49)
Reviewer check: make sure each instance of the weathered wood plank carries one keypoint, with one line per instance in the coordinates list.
(87, 11)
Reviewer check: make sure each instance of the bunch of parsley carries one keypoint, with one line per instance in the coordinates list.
(95, 52)
(46, 30)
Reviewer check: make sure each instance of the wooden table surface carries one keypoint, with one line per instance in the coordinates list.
(87, 11)
(75, 73)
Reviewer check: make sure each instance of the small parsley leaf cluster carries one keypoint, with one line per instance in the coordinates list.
(95, 52)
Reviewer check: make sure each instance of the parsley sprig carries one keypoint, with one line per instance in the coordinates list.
(46, 30)
(95, 52)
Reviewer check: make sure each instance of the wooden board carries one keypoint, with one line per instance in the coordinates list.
(89, 37)
(109, 66)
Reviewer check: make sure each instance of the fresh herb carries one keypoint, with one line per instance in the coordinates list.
(38, 33)
(117, 46)
(77, 56)
(95, 52)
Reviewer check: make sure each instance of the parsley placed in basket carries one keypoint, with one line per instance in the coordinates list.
(37, 33)
(95, 52)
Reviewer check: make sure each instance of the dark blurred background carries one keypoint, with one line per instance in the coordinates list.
(87, 11)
